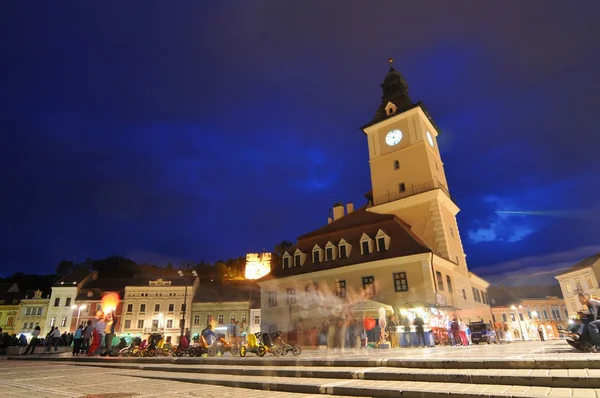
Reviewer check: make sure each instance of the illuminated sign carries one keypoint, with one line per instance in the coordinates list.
(257, 265)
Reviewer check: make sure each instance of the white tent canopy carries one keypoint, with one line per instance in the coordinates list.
(371, 308)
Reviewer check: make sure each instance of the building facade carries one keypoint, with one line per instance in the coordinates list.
(223, 305)
(525, 319)
(88, 303)
(402, 249)
(32, 312)
(158, 305)
(62, 298)
(581, 278)
(10, 298)
(523, 311)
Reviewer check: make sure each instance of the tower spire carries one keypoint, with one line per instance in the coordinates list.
(391, 61)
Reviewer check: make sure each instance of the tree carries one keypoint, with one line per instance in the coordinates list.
(64, 267)
(115, 267)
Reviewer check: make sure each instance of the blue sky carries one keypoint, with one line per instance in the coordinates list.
(196, 131)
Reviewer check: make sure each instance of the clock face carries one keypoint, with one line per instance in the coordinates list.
(430, 139)
(393, 137)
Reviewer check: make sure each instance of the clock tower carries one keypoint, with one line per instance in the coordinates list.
(407, 173)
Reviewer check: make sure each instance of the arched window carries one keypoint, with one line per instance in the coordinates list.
(396, 165)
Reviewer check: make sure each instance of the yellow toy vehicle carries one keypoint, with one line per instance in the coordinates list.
(253, 345)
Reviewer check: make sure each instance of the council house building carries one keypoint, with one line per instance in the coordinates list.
(402, 249)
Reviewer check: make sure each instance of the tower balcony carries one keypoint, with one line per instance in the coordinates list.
(411, 191)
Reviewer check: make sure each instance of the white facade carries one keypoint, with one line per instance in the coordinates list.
(158, 307)
(59, 308)
(582, 280)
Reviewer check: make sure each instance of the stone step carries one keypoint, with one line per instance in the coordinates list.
(370, 388)
(578, 361)
(554, 378)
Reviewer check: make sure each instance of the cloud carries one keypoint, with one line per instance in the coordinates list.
(536, 270)
(513, 217)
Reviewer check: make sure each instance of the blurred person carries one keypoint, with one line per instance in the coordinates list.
(77, 340)
(34, 340)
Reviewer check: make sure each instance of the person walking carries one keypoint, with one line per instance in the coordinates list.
(34, 340)
(77, 340)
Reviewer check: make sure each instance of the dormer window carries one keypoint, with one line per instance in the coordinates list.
(366, 245)
(390, 109)
(330, 252)
(383, 241)
(317, 255)
(286, 260)
(299, 258)
(396, 165)
(344, 249)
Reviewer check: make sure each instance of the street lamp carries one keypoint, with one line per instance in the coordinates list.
(184, 307)
(519, 319)
(78, 308)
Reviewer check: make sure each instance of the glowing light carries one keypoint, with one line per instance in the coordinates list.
(257, 265)
(109, 302)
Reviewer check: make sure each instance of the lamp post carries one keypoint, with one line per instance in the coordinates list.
(184, 306)
(78, 308)
(519, 319)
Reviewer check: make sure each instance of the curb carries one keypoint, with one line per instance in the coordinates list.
(347, 375)
(337, 388)
(359, 362)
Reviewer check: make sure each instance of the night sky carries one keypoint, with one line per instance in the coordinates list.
(168, 131)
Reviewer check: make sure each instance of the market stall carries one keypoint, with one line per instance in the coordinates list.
(436, 319)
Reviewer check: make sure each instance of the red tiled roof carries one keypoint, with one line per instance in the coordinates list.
(403, 241)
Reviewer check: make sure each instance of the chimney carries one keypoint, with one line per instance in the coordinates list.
(349, 208)
(329, 220)
(338, 211)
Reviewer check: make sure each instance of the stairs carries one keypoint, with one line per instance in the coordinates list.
(372, 377)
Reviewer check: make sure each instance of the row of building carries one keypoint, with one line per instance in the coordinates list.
(165, 304)
(158, 303)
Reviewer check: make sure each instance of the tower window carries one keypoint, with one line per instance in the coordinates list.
(402, 187)
(396, 165)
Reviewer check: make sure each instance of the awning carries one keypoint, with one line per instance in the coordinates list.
(371, 307)
(422, 304)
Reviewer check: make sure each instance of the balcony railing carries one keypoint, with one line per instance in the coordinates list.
(411, 191)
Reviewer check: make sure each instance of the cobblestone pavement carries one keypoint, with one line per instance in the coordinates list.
(51, 380)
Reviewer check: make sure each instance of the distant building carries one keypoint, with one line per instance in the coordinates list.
(156, 304)
(88, 302)
(402, 249)
(10, 298)
(62, 298)
(32, 312)
(580, 278)
(226, 303)
(523, 310)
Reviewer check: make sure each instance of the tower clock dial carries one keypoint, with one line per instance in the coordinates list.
(430, 139)
(393, 137)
